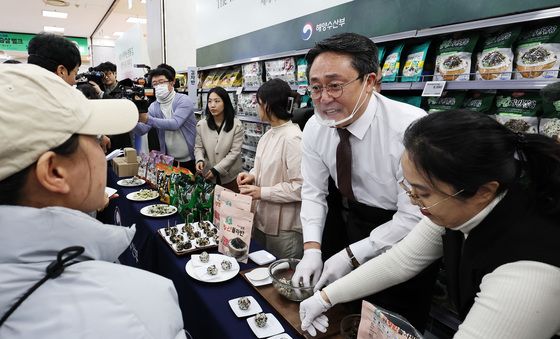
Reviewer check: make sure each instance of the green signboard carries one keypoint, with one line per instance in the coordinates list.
(18, 42)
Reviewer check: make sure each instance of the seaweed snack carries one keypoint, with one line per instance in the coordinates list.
(495, 62)
(414, 64)
(143, 165)
(538, 49)
(550, 122)
(210, 78)
(151, 175)
(164, 182)
(454, 56)
(231, 78)
(235, 224)
(219, 75)
(380, 53)
(380, 323)
(244, 303)
(411, 100)
(480, 101)
(448, 100)
(284, 69)
(252, 74)
(519, 111)
(392, 64)
(247, 104)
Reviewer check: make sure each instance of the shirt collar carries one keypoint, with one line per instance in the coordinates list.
(359, 127)
(469, 225)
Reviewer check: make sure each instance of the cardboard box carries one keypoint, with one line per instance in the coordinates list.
(124, 169)
(130, 155)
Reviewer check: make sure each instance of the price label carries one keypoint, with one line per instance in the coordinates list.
(239, 90)
(433, 88)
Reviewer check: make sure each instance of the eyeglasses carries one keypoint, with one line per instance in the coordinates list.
(155, 83)
(334, 90)
(417, 199)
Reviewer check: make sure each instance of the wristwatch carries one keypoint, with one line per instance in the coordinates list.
(353, 259)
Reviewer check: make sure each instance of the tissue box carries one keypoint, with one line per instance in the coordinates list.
(126, 166)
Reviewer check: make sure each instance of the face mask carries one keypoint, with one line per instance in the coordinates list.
(334, 123)
(162, 91)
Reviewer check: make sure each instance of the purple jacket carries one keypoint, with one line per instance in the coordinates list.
(183, 119)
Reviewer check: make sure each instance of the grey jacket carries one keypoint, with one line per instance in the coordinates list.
(92, 299)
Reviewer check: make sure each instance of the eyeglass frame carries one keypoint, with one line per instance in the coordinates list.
(416, 198)
(329, 89)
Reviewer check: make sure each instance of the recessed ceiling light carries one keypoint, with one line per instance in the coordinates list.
(134, 20)
(52, 14)
(53, 29)
(118, 33)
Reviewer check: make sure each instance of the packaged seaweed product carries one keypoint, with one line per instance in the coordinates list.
(538, 49)
(519, 111)
(495, 62)
(448, 100)
(480, 101)
(414, 64)
(392, 64)
(454, 56)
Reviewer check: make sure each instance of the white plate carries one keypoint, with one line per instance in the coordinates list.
(146, 211)
(130, 182)
(260, 273)
(281, 336)
(271, 328)
(199, 272)
(134, 196)
(254, 308)
(258, 283)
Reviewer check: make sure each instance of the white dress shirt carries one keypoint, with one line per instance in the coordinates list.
(516, 300)
(376, 141)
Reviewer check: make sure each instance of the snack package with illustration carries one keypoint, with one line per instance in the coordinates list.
(414, 64)
(538, 50)
(448, 100)
(480, 101)
(252, 74)
(454, 57)
(550, 121)
(164, 182)
(519, 111)
(380, 53)
(495, 62)
(284, 69)
(235, 226)
(143, 165)
(392, 64)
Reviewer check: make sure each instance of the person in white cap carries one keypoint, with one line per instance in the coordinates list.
(58, 277)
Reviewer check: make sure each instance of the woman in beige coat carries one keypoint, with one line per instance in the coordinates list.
(217, 148)
(275, 181)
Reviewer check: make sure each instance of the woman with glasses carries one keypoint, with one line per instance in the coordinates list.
(218, 142)
(491, 200)
(275, 181)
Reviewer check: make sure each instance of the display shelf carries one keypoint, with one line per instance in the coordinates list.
(258, 58)
(228, 89)
(249, 148)
(520, 84)
(251, 119)
(395, 86)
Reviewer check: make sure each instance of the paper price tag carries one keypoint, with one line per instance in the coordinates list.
(239, 90)
(433, 88)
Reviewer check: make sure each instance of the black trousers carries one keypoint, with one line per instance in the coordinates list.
(411, 299)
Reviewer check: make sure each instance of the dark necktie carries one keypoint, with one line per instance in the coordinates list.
(344, 164)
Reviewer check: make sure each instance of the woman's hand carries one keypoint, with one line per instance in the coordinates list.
(209, 175)
(245, 178)
(250, 190)
(199, 166)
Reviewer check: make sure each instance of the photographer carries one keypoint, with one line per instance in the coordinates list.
(112, 89)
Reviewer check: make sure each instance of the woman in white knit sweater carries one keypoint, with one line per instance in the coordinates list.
(491, 200)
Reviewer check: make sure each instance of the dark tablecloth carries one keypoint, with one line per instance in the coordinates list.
(205, 308)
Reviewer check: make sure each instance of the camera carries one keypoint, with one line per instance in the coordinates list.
(93, 74)
(135, 91)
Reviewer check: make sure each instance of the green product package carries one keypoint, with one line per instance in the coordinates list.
(448, 100)
(519, 111)
(495, 61)
(414, 64)
(454, 57)
(538, 50)
(480, 101)
(392, 64)
(411, 100)
(380, 53)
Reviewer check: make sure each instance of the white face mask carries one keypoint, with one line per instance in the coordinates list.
(334, 123)
(162, 91)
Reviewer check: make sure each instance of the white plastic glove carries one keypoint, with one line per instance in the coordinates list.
(309, 266)
(335, 267)
(311, 314)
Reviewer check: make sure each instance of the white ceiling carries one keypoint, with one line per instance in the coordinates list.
(25, 16)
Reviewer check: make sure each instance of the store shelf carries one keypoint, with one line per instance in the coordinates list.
(244, 89)
(249, 148)
(259, 58)
(520, 84)
(395, 86)
(229, 89)
(251, 119)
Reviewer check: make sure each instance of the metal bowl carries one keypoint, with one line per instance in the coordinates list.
(281, 272)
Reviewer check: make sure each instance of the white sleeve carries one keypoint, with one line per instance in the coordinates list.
(314, 189)
(388, 234)
(517, 300)
(403, 261)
